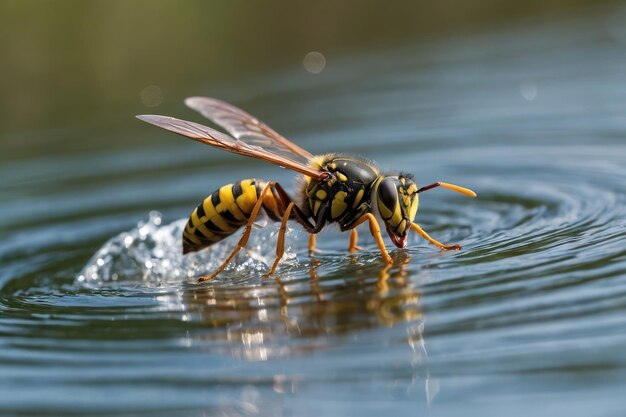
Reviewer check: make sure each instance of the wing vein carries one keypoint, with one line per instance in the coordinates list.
(212, 137)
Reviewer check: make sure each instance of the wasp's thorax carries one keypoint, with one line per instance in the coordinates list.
(396, 199)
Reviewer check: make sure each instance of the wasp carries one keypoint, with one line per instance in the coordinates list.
(335, 188)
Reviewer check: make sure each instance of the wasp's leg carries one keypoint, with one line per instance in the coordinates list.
(298, 215)
(425, 235)
(280, 245)
(283, 200)
(312, 239)
(354, 237)
(375, 231)
(293, 211)
(246, 234)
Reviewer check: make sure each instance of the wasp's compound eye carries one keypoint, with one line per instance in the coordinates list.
(387, 198)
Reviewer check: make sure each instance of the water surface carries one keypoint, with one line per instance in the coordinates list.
(100, 315)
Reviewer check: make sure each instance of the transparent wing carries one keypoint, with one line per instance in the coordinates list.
(208, 136)
(246, 127)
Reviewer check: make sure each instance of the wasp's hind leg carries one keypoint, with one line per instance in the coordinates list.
(246, 234)
(425, 235)
(280, 244)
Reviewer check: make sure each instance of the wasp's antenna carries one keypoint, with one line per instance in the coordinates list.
(452, 187)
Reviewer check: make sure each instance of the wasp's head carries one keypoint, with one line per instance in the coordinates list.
(397, 201)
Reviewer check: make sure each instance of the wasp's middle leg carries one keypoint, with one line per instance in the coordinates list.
(288, 209)
(297, 214)
(280, 245)
(312, 241)
(354, 238)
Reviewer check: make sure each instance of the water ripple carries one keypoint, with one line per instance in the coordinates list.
(92, 299)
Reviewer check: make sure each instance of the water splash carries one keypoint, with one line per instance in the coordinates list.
(151, 253)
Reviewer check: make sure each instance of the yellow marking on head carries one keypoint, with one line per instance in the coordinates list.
(321, 194)
(332, 166)
(413, 209)
(358, 198)
(385, 213)
(406, 200)
(412, 188)
(338, 205)
(401, 226)
(383, 210)
(397, 216)
(341, 177)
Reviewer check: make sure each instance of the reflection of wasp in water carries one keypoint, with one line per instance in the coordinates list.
(303, 315)
(347, 190)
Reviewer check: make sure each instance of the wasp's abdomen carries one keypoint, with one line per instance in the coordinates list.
(221, 214)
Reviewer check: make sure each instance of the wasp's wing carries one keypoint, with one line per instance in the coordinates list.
(246, 127)
(223, 141)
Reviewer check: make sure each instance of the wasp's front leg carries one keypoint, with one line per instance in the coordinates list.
(375, 231)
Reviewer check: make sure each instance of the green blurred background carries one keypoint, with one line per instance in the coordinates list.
(67, 63)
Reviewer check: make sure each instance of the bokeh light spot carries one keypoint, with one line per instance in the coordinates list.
(529, 90)
(314, 62)
(151, 96)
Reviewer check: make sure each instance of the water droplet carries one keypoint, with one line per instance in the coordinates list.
(155, 218)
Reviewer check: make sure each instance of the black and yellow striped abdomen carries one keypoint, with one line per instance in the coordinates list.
(222, 213)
